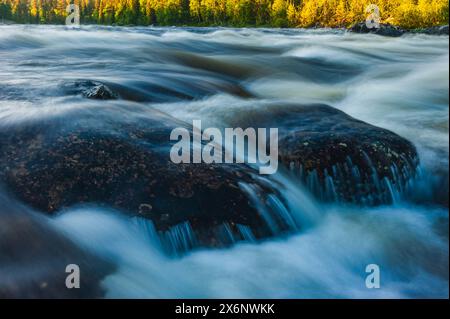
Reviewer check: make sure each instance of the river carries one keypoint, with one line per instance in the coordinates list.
(215, 74)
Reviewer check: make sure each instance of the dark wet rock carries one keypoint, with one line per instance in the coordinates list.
(34, 257)
(90, 89)
(337, 157)
(59, 163)
(437, 30)
(384, 29)
(100, 92)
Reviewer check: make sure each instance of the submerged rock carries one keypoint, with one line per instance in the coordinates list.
(34, 257)
(161, 89)
(93, 159)
(90, 89)
(384, 29)
(337, 157)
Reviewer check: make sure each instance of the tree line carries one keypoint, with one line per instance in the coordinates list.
(258, 13)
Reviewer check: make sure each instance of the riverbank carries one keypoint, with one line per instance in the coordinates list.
(237, 13)
(395, 31)
(384, 29)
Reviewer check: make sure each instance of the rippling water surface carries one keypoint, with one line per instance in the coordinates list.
(217, 75)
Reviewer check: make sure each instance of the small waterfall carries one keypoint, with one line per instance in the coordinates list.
(286, 212)
(346, 182)
(254, 194)
(225, 234)
(289, 211)
(246, 233)
(178, 239)
(181, 238)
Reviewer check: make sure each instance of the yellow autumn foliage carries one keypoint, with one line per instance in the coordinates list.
(275, 13)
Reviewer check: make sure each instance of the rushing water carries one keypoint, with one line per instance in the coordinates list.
(217, 75)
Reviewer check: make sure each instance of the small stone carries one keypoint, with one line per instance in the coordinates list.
(145, 209)
(100, 92)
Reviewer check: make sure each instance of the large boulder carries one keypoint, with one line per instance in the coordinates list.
(96, 156)
(34, 256)
(338, 158)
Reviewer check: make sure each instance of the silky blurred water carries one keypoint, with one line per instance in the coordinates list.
(217, 75)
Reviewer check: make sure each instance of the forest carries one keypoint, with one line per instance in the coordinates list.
(238, 13)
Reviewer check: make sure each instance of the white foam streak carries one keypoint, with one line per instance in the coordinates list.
(325, 261)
